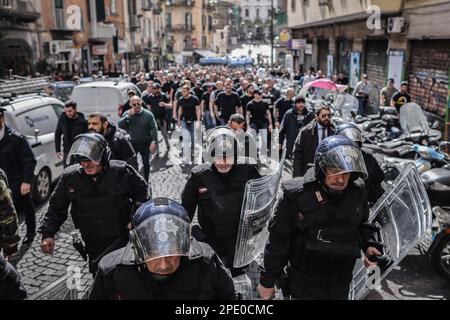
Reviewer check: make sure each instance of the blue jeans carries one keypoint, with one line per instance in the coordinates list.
(208, 121)
(188, 137)
(363, 104)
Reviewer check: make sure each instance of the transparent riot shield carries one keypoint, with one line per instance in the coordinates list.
(61, 289)
(403, 215)
(257, 207)
(243, 286)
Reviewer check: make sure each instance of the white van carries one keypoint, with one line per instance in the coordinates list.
(36, 117)
(104, 96)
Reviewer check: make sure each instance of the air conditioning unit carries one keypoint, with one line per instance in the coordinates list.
(396, 25)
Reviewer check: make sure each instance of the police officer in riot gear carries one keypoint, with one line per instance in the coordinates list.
(217, 190)
(320, 227)
(162, 261)
(102, 194)
(374, 171)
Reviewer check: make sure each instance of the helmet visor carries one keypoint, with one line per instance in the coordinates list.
(353, 134)
(161, 236)
(85, 148)
(343, 159)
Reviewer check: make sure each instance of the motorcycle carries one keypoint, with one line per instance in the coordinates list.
(437, 245)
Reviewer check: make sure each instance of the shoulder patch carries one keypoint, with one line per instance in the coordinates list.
(117, 164)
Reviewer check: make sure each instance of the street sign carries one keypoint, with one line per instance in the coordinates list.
(297, 44)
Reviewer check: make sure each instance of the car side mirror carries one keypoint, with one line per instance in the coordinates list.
(36, 134)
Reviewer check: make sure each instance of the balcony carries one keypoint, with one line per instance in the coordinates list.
(19, 9)
(180, 3)
(181, 27)
(102, 31)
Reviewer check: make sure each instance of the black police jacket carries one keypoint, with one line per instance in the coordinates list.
(10, 286)
(310, 226)
(120, 143)
(17, 160)
(201, 276)
(69, 129)
(219, 200)
(375, 178)
(100, 209)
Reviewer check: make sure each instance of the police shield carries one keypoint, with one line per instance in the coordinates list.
(65, 288)
(243, 287)
(257, 207)
(403, 217)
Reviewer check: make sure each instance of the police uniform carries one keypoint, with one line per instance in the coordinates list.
(18, 162)
(219, 198)
(318, 236)
(100, 209)
(201, 276)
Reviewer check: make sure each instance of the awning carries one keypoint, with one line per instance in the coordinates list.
(206, 53)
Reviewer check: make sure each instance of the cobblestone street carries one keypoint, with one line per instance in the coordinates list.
(413, 279)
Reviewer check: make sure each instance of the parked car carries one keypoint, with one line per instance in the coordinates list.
(104, 96)
(63, 89)
(36, 117)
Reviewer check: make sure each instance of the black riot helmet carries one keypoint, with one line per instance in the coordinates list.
(90, 146)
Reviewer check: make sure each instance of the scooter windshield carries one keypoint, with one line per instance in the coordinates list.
(412, 119)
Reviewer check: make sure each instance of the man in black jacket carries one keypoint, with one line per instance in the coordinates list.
(10, 286)
(70, 124)
(309, 138)
(118, 139)
(102, 194)
(294, 120)
(217, 189)
(162, 261)
(18, 162)
(320, 227)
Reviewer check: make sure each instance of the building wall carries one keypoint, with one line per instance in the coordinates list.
(303, 15)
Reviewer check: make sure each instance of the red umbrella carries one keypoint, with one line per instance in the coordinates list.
(325, 84)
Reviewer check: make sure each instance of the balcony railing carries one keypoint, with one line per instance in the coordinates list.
(19, 9)
(102, 31)
(180, 3)
(182, 27)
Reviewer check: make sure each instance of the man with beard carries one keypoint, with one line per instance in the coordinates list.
(308, 140)
(217, 189)
(118, 139)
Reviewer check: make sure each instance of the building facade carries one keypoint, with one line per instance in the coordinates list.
(383, 39)
(256, 19)
(19, 39)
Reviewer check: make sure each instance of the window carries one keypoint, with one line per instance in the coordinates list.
(169, 20)
(257, 13)
(59, 110)
(293, 4)
(59, 14)
(204, 42)
(188, 20)
(210, 23)
(113, 6)
(269, 13)
(203, 23)
(247, 12)
(187, 42)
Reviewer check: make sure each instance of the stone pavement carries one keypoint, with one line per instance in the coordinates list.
(413, 279)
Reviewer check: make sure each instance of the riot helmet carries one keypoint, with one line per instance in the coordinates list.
(160, 228)
(351, 131)
(222, 143)
(89, 146)
(338, 155)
